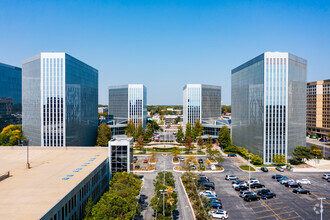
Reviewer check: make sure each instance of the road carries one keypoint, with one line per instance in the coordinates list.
(164, 163)
(323, 145)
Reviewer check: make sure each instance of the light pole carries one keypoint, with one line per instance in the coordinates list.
(163, 191)
(27, 155)
(324, 138)
(249, 172)
(321, 210)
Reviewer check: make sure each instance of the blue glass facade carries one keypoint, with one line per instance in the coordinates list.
(269, 104)
(60, 101)
(10, 95)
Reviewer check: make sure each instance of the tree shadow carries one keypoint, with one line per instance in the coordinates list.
(143, 206)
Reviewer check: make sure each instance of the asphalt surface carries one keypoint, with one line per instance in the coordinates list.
(323, 145)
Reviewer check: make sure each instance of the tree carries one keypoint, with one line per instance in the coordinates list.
(177, 119)
(139, 130)
(148, 133)
(279, 159)
(188, 130)
(218, 158)
(200, 142)
(317, 151)
(140, 143)
(224, 137)
(175, 151)
(11, 135)
(130, 129)
(187, 143)
(209, 145)
(103, 135)
(180, 135)
(89, 209)
(154, 126)
(256, 160)
(197, 130)
(301, 152)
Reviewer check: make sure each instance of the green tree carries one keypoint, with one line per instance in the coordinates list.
(224, 137)
(279, 159)
(103, 135)
(188, 143)
(177, 119)
(188, 130)
(197, 130)
(301, 152)
(209, 145)
(175, 151)
(200, 142)
(180, 135)
(130, 129)
(89, 209)
(11, 135)
(148, 133)
(139, 130)
(155, 127)
(218, 158)
(256, 160)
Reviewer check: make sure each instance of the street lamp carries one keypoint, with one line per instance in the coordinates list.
(163, 191)
(27, 155)
(249, 172)
(321, 210)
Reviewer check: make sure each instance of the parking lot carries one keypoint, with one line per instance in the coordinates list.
(286, 205)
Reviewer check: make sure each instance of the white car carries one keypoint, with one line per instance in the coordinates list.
(253, 181)
(326, 176)
(231, 177)
(238, 184)
(208, 192)
(220, 214)
(304, 181)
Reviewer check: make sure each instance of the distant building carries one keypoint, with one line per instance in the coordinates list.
(10, 95)
(269, 104)
(60, 101)
(102, 110)
(127, 102)
(121, 155)
(318, 107)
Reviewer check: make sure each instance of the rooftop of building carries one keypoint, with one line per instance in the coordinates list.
(326, 81)
(30, 193)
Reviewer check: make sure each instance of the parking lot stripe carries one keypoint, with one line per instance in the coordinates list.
(274, 203)
(285, 212)
(272, 209)
(298, 216)
(265, 216)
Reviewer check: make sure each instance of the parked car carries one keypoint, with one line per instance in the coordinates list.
(209, 196)
(207, 185)
(280, 169)
(284, 181)
(257, 185)
(250, 182)
(283, 178)
(263, 191)
(265, 169)
(292, 185)
(240, 183)
(215, 200)
(200, 161)
(301, 191)
(232, 155)
(326, 176)
(277, 176)
(214, 205)
(249, 198)
(268, 195)
(137, 167)
(231, 177)
(220, 214)
(241, 188)
(208, 192)
(135, 159)
(304, 181)
(244, 193)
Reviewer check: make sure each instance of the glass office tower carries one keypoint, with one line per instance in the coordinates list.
(60, 101)
(10, 95)
(201, 102)
(121, 155)
(269, 104)
(128, 102)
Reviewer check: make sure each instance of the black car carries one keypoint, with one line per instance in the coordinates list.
(207, 185)
(240, 188)
(200, 161)
(135, 159)
(214, 205)
(231, 155)
(249, 198)
(277, 176)
(137, 166)
(257, 185)
(268, 195)
(292, 185)
(215, 200)
(301, 191)
(265, 169)
(263, 191)
(203, 180)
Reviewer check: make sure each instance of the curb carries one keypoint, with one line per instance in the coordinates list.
(247, 170)
(216, 171)
(184, 189)
(144, 171)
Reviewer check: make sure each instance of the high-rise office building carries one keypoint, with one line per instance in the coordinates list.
(60, 101)
(318, 107)
(10, 95)
(269, 104)
(128, 102)
(202, 103)
(121, 155)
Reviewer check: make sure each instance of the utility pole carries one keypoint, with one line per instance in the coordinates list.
(27, 155)
(249, 172)
(321, 210)
(163, 192)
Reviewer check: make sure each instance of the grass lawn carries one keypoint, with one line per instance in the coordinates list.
(246, 167)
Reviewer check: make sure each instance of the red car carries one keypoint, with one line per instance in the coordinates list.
(145, 161)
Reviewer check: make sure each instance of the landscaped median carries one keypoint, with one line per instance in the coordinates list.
(197, 203)
(247, 168)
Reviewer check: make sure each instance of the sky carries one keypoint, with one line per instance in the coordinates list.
(167, 44)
